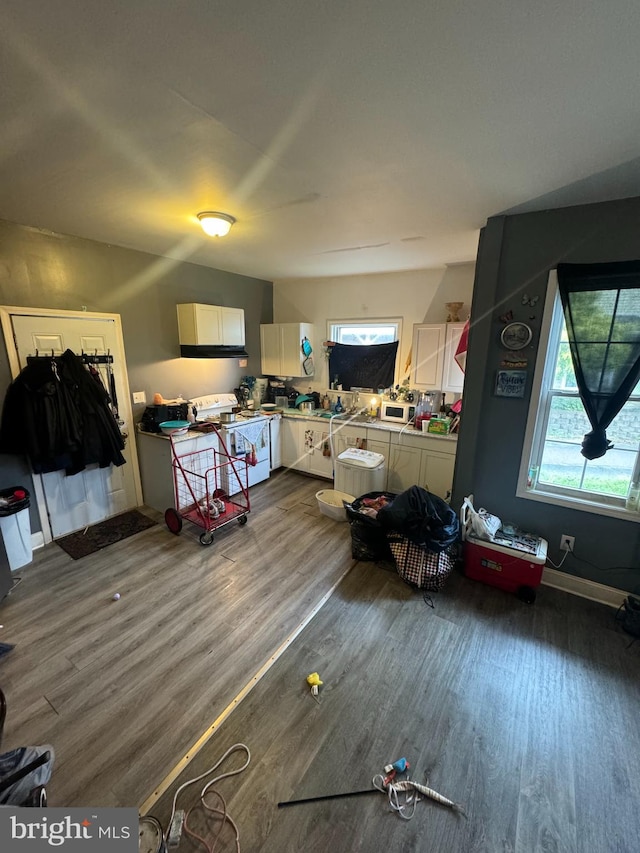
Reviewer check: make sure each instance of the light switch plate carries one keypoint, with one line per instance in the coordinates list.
(139, 397)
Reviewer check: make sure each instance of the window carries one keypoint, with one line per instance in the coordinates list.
(356, 332)
(553, 468)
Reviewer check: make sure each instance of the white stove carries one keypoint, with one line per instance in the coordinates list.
(245, 437)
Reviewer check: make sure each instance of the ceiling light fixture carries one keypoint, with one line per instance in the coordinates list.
(215, 224)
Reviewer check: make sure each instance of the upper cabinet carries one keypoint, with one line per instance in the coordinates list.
(281, 347)
(210, 331)
(433, 365)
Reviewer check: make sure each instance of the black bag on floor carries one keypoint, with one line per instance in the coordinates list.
(368, 538)
(629, 615)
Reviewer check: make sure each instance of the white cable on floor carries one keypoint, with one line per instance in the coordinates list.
(232, 749)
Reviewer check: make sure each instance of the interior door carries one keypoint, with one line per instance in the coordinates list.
(96, 493)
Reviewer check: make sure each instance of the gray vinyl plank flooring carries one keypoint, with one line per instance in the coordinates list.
(525, 715)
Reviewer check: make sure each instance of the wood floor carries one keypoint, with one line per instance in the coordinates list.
(123, 689)
(527, 715)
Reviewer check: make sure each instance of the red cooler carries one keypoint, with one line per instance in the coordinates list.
(502, 566)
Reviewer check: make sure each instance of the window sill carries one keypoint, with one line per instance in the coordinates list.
(582, 506)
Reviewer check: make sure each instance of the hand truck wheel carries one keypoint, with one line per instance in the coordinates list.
(242, 520)
(173, 521)
(206, 538)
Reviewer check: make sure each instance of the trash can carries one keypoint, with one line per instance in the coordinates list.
(15, 527)
(359, 471)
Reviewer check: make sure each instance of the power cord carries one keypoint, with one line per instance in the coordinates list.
(178, 821)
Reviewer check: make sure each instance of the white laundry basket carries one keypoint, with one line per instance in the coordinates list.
(360, 471)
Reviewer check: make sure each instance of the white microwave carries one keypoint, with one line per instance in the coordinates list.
(400, 413)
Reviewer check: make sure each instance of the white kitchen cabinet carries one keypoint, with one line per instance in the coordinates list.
(427, 355)
(275, 441)
(210, 325)
(433, 364)
(403, 467)
(281, 348)
(452, 374)
(418, 460)
(318, 457)
(289, 431)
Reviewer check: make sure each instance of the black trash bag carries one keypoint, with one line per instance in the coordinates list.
(368, 537)
(424, 518)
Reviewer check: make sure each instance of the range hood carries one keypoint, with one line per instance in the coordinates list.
(212, 351)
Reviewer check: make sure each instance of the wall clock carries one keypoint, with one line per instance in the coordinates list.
(516, 336)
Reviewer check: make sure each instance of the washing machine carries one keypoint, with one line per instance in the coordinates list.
(360, 471)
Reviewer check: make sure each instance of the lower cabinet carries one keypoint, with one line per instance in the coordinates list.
(410, 458)
(305, 447)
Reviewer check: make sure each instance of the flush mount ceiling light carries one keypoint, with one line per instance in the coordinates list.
(215, 224)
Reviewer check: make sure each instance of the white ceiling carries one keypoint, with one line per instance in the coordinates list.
(345, 136)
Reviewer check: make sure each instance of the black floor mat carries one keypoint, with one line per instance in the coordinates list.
(81, 544)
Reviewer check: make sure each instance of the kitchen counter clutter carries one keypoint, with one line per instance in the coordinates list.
(412, 457)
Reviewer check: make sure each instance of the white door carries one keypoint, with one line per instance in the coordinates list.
(96, 493)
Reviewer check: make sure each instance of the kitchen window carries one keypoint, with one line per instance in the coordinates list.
(363, 354)
(357, 332)
(553, 469)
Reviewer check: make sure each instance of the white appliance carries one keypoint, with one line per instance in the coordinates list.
(400, 413)
(247, 438)
(360, 471)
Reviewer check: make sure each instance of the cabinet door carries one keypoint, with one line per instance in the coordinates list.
(404, 467)
(320, 464)
(199, 324)
(289, 431)
(232, 326)
(452, 375)
(427, 355)
(291, 349)
(436, 473)
(270, 348)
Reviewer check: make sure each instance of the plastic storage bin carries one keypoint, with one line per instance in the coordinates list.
(359, 471)
(15, 526)
(330, 503)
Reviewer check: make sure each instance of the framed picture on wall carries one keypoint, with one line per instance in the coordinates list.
(510, 383)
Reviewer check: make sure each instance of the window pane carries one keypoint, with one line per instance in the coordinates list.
(567, 420)
(611, 474)
(624, 430)
(564, 377)
(366, 334)
(562, 464)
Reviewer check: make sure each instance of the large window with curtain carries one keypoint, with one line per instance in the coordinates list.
(582, 443)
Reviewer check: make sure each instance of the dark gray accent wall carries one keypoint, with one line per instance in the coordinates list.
(40, 269)
(514, 258)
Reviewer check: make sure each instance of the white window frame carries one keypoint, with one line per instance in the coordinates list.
(333, 325)
(533, 437)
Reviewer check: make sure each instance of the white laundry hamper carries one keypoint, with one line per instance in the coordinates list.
(360, 471)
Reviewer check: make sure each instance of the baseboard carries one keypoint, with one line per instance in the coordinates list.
(584, 588)
(37, 540)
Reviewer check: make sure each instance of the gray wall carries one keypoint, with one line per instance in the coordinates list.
(515, 255)
(39, 269)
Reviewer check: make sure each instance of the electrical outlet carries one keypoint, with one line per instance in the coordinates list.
(567, 542)
(139, 397)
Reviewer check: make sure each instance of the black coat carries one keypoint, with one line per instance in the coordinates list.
(58, 415)
(422, 517)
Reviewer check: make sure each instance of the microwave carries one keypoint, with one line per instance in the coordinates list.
(400, 413)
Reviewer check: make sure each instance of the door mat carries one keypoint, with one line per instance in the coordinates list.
(81, 544)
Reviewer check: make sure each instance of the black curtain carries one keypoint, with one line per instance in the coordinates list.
(601, 304)
(362, 365)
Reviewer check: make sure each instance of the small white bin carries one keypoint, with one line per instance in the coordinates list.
(330, 503)
(360, 471)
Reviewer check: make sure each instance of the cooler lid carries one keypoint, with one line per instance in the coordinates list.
(361, 458)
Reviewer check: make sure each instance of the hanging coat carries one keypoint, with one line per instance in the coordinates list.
(59, 417)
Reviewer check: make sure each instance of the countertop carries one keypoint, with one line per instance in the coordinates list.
(370, 423)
